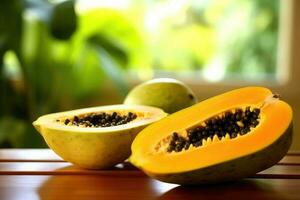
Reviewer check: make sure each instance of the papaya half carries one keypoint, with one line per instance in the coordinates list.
(227, 137)
(96, 137)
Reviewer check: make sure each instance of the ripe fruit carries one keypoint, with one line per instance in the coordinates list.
(168, 94)
(98, 137)
(227, 137)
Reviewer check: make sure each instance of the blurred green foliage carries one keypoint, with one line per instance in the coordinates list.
(53, 59)
(54, 56)
(213, 39)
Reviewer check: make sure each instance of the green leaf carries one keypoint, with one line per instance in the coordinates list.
(60, 17)
(10, 24)
(111, 46)
(63, 21)
(111, 67)
(114, 31)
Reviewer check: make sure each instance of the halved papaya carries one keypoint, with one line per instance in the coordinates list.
(227, 137)
(97, 137)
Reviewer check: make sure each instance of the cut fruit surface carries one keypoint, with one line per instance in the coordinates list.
(226, 137)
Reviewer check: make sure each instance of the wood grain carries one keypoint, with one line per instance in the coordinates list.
(28, 155)
(51, 168)
(41, 174)
(290, 160)
(47, 155)
(140, 188)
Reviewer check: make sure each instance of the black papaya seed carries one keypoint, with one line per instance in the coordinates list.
(234, 122)
(67, 121)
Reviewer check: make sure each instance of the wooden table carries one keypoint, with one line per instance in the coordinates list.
(40, 174)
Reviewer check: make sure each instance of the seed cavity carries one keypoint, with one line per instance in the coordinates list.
(96, 120)
(228, 125)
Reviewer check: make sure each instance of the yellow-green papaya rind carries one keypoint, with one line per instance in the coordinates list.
(165, 93)
(91, 150)
(235, 169)
(92, 147)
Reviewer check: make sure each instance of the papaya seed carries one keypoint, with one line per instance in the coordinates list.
(67, 121)
(100, 119)
(235, 122)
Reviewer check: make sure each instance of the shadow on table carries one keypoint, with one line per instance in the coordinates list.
(244, 189)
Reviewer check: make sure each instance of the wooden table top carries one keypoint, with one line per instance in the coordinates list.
(30, 174)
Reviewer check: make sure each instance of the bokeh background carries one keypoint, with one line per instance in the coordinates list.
(60, 55)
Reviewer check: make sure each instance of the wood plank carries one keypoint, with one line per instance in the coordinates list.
(140, 187)
(62, 168)
(28, 155)
(290, 160)
(47, 155)
(294, 153)
(59, 168)
(280, 171)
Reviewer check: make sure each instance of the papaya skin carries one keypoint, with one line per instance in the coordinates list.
(168, 94)
(90, 150)
(223, 158)
(95, 148)
(234, 169)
